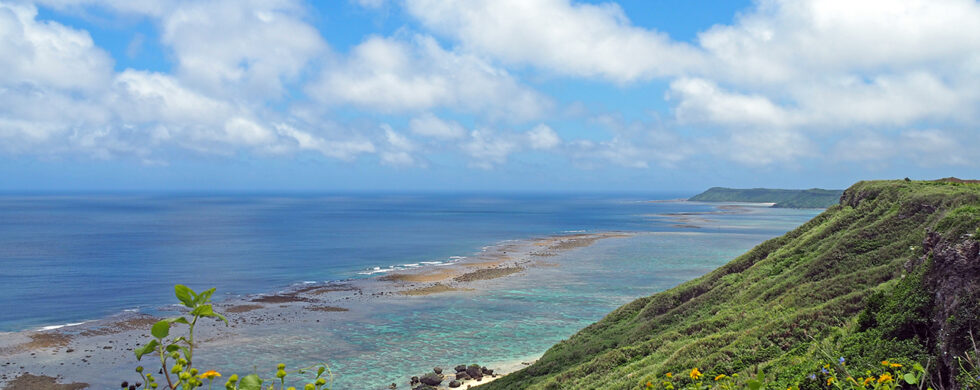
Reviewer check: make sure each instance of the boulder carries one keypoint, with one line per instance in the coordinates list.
(415, 381)
(462, 375)
(486, 371)
(474, 371)
(455, 384)
(461, 368)
(431, 379)
(437, 370)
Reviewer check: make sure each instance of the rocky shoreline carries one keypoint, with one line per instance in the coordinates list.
(79, 354)
(463, 375)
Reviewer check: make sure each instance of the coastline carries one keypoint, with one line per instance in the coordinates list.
(72, 353)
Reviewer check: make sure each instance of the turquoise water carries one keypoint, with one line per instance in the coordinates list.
(78, 258)
(515, 318)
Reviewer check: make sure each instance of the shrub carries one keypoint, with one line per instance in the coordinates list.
(180, 351)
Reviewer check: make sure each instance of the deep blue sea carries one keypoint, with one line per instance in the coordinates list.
(71, 258)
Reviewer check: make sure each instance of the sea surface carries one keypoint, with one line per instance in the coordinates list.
(72, 258)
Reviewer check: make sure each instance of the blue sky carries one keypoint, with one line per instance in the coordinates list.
(484, 95)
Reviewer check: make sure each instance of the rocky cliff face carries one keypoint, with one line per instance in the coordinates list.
(953, 281)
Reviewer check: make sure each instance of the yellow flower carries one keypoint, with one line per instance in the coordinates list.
(695, 374)
(886, 377)
(869, 380)
(720, 377)
(885, 363)
(895, 365)
(670, 375)
(210, 374)
(830, 381)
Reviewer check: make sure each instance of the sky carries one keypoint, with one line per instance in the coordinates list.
(485, 95)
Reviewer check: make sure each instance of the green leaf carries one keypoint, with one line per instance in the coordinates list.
(180, 320)
(221, 317)
(203, 311)
(910, 379)
(160, 329)
(205, 296)
(185, 295)
(320, 371)
(918, 367)
(250, 382)
(753, 384)
(146, 348)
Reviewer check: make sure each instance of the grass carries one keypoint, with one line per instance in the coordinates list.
(812, 198)
(848, 282)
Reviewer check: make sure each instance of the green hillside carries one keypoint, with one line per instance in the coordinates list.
(812, 198)
(892, 272)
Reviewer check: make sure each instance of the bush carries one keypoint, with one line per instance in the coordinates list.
(180, 351)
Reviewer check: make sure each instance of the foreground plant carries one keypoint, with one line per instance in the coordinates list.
(833, 376)
(180, 351)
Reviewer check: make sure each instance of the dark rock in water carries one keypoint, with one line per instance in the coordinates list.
(455, 384)
(486, 371)
(437, 370)
(392, 386)
(415, 380)
(460, 368)
(462, 375)
(431, 379)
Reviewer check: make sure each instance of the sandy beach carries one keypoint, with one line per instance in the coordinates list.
(71, 357)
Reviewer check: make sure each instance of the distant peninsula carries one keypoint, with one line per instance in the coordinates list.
(795, 199)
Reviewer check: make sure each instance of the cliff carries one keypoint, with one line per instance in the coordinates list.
(812, 198)
(891, 272)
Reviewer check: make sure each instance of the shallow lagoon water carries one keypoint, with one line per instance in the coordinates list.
(80, 258)
(506, 321)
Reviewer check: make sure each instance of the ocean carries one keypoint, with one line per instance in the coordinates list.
(68, 259)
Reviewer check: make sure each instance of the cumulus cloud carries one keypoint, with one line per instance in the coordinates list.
(60, 94)
(570, 38)
(794, 73)
(416, 74)
(785, 81)
(344, 149)
(241, 47)
(543, 137)
(48, 54)
(430, 125)
(928, 147)
(399, 149)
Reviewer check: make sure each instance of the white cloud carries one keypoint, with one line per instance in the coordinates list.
(796, 74)
(393, 75)
(569, 38)
(369, 3)
(430, 125)
(702, 101)
(486, 149)
(347, 149)
(400, 149)
(543, 137)
(235, 47)
(929, 147)
(59, 93)
(48, 54)
(760, 147)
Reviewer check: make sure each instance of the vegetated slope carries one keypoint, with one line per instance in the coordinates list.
(812, 198)
(892, 272)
